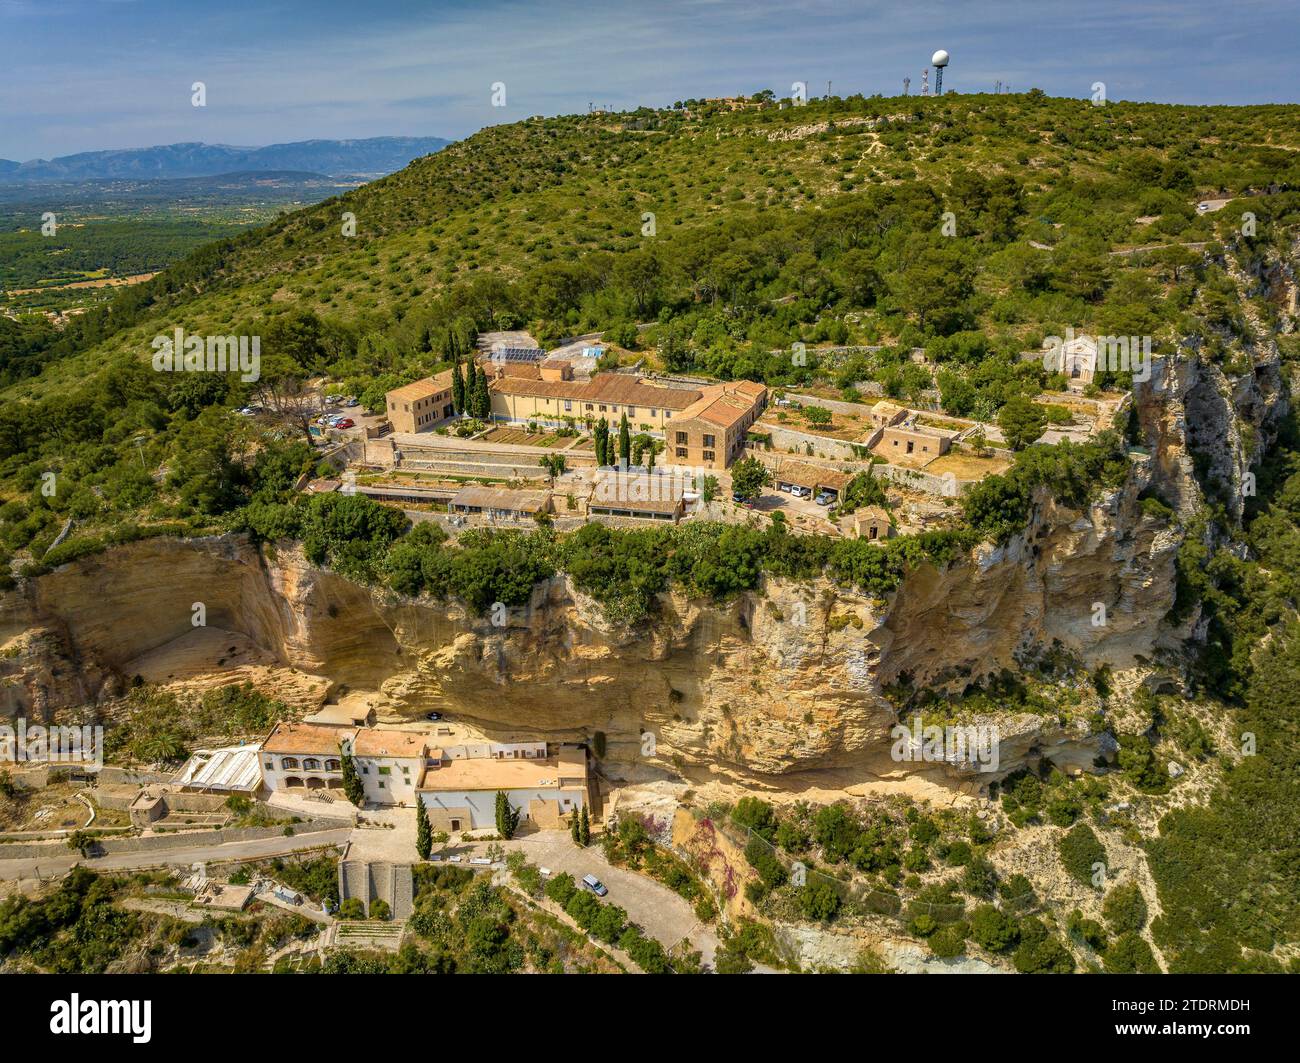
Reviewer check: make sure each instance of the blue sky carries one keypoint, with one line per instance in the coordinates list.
(83, 75)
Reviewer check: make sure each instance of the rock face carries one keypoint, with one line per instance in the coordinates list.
(783, 686)
(784, 680)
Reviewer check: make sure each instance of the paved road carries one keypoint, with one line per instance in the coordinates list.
(55, 865)
(659, 911)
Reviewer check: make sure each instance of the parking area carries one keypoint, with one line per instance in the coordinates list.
(660, 912)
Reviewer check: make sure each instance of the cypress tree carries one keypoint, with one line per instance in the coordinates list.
(575, 829)
(482, 399)
(423, 832)
(602, 442)
(457, 387)
(353, 789)
(624, 441)
(507, 816)
(584, 829)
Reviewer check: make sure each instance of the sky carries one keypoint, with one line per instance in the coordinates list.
(88, 75)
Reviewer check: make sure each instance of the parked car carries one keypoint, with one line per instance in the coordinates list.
(800, 492)
(345, 422)
(350, 402)
(595, 885)
(786, 488)
(825, 499)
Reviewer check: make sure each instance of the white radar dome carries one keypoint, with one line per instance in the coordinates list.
(940, 58)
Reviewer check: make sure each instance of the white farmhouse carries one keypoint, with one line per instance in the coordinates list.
(391, 764)
(303, 756)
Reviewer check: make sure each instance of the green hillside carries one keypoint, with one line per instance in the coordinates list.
(972, 226)
(755, 206)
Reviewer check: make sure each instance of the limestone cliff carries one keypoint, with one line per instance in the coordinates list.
(783, 686)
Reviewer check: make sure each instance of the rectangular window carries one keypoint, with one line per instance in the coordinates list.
(681, 452)
(385, 771)
(681, 438)
(708, 441)
(708, 455)
(568, 404)
(631, 411)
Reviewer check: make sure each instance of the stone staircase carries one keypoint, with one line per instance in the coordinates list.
(378, 880)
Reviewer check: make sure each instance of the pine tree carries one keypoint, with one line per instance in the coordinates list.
(353, 788)
(423, 832)
(457, 387)
(584, 829)
(507, 816)
(624, 441)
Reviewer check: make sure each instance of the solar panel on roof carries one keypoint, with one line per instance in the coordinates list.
(517, 354)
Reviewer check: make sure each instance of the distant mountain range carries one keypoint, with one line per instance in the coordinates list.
(372, 157)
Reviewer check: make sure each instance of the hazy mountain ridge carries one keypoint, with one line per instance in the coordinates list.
(375, 155)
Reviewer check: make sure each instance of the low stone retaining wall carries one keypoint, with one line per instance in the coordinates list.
(165, 842)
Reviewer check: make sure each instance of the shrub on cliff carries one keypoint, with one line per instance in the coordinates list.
(1040, 951)
(1125, 909)
(993, 929)
(1130, 954)
(1082, 854)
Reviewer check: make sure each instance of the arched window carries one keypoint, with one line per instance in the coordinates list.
(288, 763)
(311, 764)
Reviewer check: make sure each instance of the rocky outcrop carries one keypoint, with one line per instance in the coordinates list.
(786, 680)
(784, 686)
